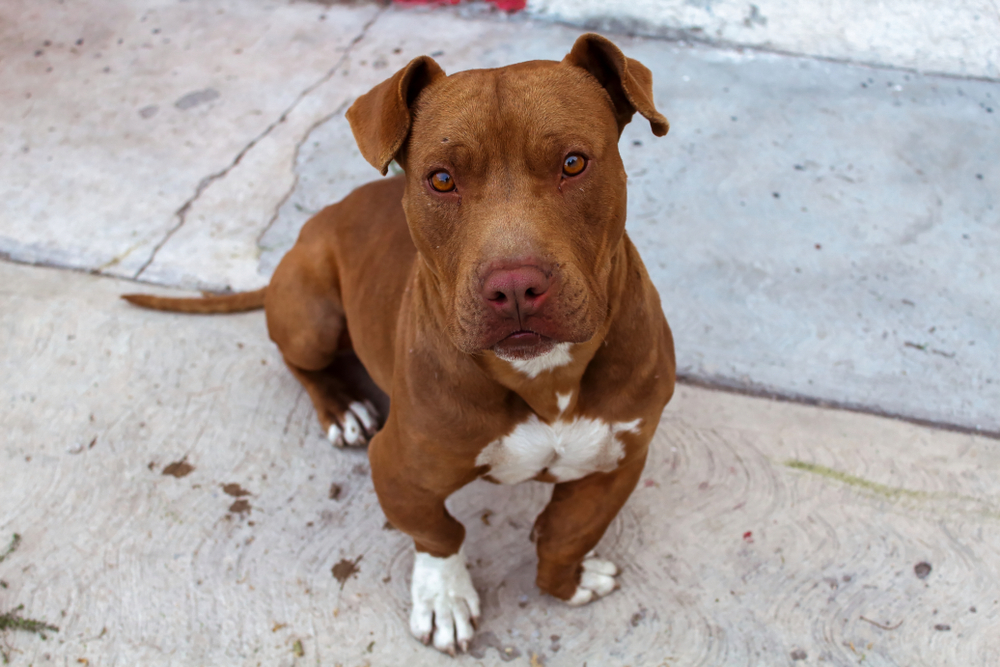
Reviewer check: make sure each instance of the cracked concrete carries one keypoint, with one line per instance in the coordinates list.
(229, 211)
(815, 230)
(91, 137)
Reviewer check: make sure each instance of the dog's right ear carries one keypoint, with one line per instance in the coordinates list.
(380, 119)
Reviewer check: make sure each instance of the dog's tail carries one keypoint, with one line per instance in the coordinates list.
(226, 303)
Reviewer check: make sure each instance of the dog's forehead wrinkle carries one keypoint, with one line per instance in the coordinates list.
(511, 119)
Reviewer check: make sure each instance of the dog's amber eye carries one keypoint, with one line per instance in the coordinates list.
(574, 164)
(442, 181)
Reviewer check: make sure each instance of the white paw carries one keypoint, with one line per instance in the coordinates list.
(357, 425)
(445, 604)
(367, 415)
(596, 581)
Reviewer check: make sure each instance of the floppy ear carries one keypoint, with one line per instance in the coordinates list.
(628, 81)
(380, 119)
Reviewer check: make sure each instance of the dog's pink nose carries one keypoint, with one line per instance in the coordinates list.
(516, 292)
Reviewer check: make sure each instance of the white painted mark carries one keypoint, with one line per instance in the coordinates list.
(568, 449)
(554, 358)
(445, 603)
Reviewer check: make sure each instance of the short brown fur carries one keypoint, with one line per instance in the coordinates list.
(395, 271)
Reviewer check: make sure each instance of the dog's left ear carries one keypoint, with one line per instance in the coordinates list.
(380, 119)
(628, 81)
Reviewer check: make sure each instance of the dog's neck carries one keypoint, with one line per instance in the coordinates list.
(551, 385)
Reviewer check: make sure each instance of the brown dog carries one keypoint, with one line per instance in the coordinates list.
(493, 294)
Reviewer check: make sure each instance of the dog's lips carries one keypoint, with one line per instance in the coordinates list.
(523, 345)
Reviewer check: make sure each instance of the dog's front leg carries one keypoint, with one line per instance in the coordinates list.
(571, 526)
(445, 603)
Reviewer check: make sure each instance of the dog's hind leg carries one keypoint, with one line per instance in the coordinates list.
(306, 321)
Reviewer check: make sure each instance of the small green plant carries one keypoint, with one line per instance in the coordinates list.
(12, 620)
(16, 540)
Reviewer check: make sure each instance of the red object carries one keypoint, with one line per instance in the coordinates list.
(510, 5)
(503, 5)
(748, 536)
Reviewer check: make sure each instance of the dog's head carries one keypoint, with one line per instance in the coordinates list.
(515, 190)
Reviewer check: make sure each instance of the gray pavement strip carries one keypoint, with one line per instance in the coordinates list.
(816, 230)
(959, 38)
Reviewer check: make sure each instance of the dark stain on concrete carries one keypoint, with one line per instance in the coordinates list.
(346, 569)
(234, 490)
(178, 469)
(485, 640)
(196, 97)
(241, 506)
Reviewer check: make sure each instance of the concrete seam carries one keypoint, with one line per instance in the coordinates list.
(758, 391)
(295, 172)
(181, 213)
(685, 36)
(691, 380)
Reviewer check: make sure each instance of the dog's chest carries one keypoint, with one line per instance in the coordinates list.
(566, 449)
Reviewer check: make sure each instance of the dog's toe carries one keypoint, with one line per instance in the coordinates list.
(445, 604)
(353, 433)
(353, 427)
(596, 581)
(367, 416)
(422, 621)
(600, 566)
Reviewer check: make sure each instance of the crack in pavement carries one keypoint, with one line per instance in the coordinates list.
(181, 213)
(295, 172)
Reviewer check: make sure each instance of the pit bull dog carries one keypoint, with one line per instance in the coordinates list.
(492, 293)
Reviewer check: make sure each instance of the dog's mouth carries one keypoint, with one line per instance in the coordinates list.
(523, 345)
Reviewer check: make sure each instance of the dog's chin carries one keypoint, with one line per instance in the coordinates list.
(523, 346)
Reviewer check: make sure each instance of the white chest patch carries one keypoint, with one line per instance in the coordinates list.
(567, 449)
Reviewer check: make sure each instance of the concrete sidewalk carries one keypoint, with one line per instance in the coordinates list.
(818, 230)
(178, 505)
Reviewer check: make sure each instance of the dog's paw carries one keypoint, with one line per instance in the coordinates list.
(445, 604)
(596, 581)
(355, 427)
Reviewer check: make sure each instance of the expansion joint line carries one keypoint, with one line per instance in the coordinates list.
(181, 213)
